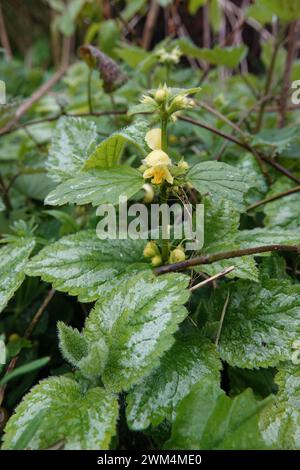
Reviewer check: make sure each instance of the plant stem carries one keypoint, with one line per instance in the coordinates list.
(28, 332)
(209, 259)
(89, 90)
(164, 189)
(292, 48)
(212, 278)
(274, 198)
(268, 84)
(222, 319)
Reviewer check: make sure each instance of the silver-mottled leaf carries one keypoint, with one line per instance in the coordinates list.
(81, 420)
(280, 422)
(220, 180)
(83, 265)
(72, 142)
(13, 259)
(97, 186)
(190, 359)
(261, 322)
(137, 320)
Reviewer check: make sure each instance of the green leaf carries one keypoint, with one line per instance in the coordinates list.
(276, 139)
(261, 322)
(82, 420)
(132, 8)
(260, 380)
(280, 422)
(29, 431)
(72, 142)
(13, 259)
(137, 320)
(25, 369)
(93, 364)
(260, 13)
(83, 265)
(194, 5)
(208, 419)
(72, 344)
(226, 56)
(131, 54)
(266, 236)
(97, 187)
(109, 152)
(221, 222)
(189, 361)
(220, 180)
(284, 212)
(286, 10)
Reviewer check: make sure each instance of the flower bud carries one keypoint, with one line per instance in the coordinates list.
(183, 165)
(161, 94)
(156, 261)
(149, 193)
(177, 255)
(13, 337)
(151, 249)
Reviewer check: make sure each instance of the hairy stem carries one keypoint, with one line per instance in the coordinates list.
(164, 189)
(89, 90)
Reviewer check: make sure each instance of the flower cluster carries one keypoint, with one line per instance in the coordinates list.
(157, 162)
(152, 251)
(169, 57)
(169, 101)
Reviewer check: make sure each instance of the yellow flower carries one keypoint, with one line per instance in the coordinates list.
(157, 161)
(153, 139)
(158, 174)
(157, 158)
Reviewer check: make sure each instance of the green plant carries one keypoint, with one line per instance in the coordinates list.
(178, 349)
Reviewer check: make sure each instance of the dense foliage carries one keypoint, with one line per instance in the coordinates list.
(124, 343)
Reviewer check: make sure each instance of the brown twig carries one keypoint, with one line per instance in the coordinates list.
(150, 24)
(281, 169)
(273, 198)
(268, 84)
(212, 258)
(28, 332)
(222, 319)
(5, 195)
(243, 145)
(292, 48)
(39, 313)
(4, 37)
(212, 278)
(42, 90)
(57, 116)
